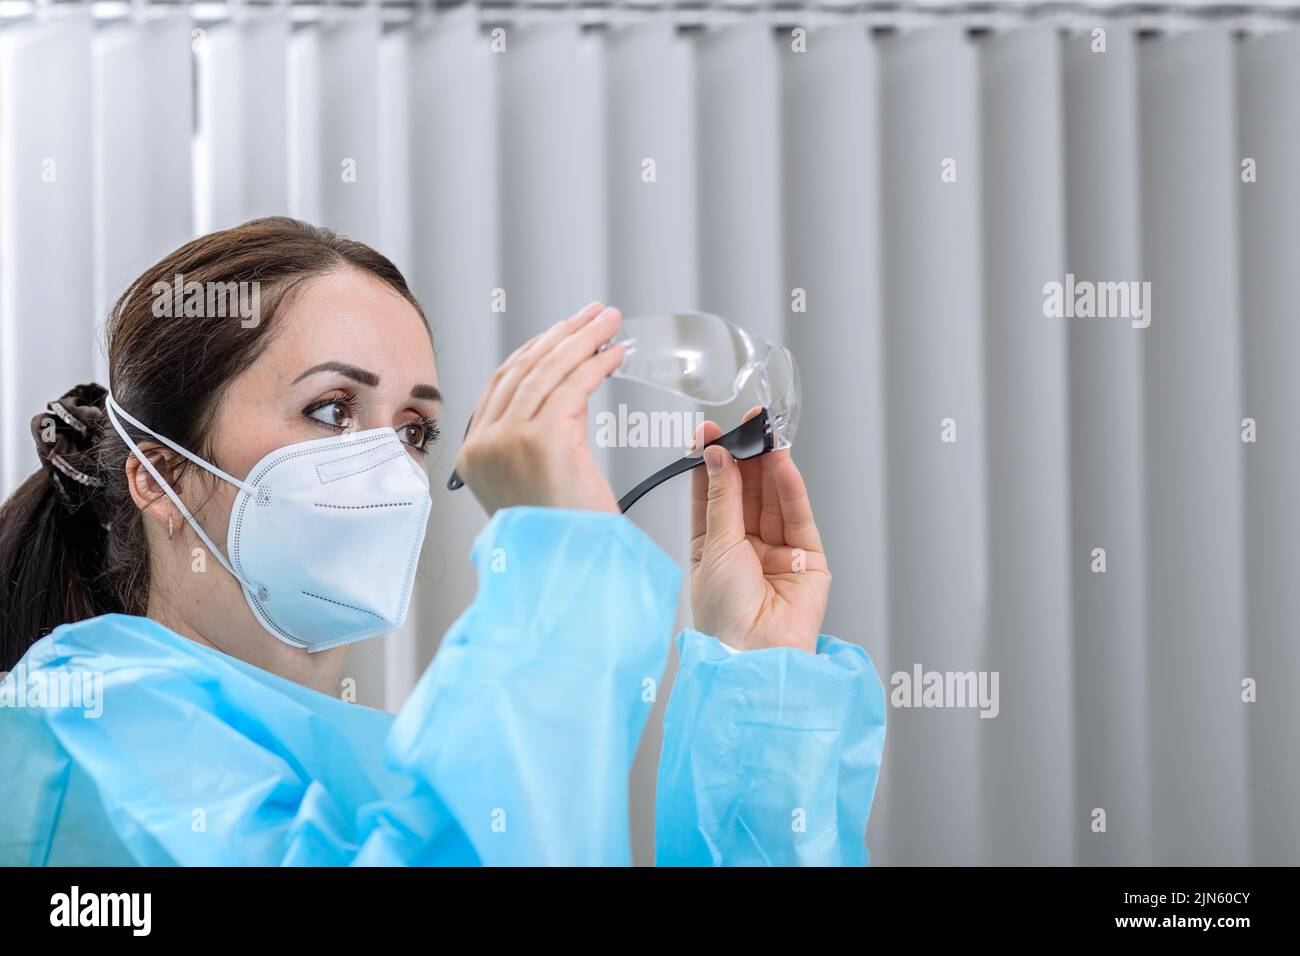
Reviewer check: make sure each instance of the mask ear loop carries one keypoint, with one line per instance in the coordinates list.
(751, 439)
(114, 410)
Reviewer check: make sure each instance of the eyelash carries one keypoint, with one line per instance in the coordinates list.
(430, 431)
(428, 426)
(341, 397)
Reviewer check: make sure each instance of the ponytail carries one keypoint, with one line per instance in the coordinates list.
(54, 529)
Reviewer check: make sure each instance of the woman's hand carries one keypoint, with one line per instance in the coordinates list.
(527, 442)
(758, 574)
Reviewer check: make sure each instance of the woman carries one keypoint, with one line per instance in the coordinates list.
(170, 701)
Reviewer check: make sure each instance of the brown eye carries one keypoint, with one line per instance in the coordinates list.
(337, 414)
(419, 434)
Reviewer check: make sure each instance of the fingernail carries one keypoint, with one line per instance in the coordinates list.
(713, 460)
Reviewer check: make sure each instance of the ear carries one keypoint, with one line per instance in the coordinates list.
(149, 496)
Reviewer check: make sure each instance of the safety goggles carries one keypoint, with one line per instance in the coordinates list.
(704, 358)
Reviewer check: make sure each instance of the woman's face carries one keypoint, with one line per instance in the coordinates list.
(347, 354)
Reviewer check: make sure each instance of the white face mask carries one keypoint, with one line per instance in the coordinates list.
(324, 535)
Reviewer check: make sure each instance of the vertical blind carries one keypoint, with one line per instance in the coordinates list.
(889, 203)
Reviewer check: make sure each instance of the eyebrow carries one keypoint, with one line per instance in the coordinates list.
(369, 379)
(427, 391)
(351, 371)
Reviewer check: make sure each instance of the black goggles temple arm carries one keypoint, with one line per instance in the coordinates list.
(749, 440)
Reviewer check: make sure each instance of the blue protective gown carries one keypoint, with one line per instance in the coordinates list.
(514, 748)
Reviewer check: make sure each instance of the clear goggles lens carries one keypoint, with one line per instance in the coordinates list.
(704, 357)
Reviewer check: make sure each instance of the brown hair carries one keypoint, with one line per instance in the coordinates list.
(72, 543)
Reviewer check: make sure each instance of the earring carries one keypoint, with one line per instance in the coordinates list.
(169, 526)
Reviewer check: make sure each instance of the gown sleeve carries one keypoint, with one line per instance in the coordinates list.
(514, 748)
(528, 720)
(770, 757)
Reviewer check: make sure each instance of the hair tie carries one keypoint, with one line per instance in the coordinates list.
(68, 418)
(65, 435)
